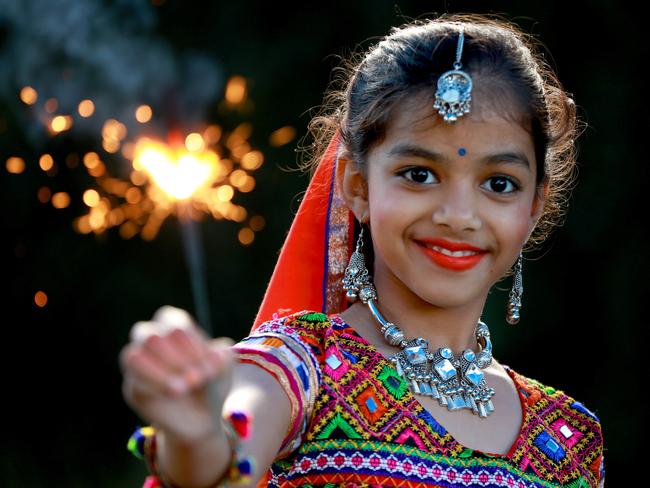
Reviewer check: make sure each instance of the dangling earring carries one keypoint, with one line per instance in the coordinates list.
(514, 300)
(357, 281)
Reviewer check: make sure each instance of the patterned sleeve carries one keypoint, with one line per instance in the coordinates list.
(280, 351)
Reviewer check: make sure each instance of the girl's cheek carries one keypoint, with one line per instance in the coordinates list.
(518, 225)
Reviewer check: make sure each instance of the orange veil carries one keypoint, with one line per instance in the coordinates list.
(308, 273)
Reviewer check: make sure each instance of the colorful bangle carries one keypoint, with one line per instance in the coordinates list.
(142, 445)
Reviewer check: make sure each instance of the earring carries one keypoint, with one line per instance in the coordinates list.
(357, 281)
(514, 300)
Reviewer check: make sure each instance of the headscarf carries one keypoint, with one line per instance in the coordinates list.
(308, 273)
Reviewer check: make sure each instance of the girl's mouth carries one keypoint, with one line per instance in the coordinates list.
(451, 255)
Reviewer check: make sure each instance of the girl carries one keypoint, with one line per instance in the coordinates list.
(449, 150)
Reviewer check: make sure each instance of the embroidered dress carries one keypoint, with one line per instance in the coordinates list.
(356, 423)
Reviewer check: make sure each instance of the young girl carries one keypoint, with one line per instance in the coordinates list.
(449, 150)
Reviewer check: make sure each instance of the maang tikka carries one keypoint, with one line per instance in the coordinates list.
(517, 290)
(456, 382)
(454, 92)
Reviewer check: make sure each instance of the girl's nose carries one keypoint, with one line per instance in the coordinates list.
(457, 209)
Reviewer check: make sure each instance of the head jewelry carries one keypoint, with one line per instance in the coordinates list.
(454, 92)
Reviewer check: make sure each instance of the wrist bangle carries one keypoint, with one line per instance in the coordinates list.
(237, 426)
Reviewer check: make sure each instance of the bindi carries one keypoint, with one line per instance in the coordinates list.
(462, 151)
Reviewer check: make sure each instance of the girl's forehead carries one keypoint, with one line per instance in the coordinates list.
(415, 120)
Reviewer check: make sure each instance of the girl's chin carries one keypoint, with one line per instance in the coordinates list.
(446, 297)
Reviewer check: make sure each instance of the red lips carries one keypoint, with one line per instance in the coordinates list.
(454, 263)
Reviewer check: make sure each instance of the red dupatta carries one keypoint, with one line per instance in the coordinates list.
(315, 253)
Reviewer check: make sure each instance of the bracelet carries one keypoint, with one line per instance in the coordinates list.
(142, 445)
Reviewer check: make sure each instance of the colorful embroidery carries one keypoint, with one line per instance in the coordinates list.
(281, 352)
(367, 429)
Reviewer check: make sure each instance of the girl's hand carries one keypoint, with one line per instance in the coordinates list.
(175, 377)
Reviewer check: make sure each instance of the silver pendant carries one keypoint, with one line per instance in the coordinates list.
(457, 383)
(454, 92)
(454, 95)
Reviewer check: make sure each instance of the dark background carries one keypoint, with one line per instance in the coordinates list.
(65, 422)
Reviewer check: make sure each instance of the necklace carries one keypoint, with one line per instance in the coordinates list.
(456, 382)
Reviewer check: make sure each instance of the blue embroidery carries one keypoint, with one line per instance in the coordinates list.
(303, 377)
(371, 404)
(435, 426)
(581, 408)
(351, 357)
(545, 443)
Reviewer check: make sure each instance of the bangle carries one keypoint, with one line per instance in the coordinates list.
(142, 445)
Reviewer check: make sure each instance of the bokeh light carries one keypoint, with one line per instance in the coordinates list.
(246, 236)
(46, 162)
(91, 197)
(236, 90)
(60, 200)
(44, 194)
(252, 160)
(282, 136)
(86, 108)
(212, 134)
(194, 142)
(143, 114)
(15, 165)
(257, 223)
(28, 95)
(61, 123)
(51, 105)
(40, 299)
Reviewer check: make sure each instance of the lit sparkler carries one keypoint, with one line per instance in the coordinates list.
(181, 174)
(203, 177)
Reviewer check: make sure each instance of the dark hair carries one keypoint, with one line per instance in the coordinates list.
(504, 62)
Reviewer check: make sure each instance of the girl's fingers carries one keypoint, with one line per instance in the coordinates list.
(174, 318)
(143, 329)
(164, 350)
(179, 326)
(165, 320)
(192, 347)
(145, 368)
(172, 337)
(171, 346)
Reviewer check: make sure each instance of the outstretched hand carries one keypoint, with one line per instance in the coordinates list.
(175, 377)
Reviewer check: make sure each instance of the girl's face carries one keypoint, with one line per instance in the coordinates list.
(449, 206)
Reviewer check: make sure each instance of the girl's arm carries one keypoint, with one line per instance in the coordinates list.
(200, 464)
(181, 382)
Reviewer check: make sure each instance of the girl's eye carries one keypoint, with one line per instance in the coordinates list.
(500, 184)
(419, 175)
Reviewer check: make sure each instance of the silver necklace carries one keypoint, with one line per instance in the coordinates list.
(457, 382)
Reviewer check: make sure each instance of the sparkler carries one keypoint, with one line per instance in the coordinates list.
(182, 174)
(200, 178)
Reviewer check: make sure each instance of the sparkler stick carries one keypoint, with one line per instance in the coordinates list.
(194, 258)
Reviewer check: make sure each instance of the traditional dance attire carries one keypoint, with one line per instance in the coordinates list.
(355, 422)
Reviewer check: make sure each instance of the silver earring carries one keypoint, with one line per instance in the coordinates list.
(357, 281)
(517, 290)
